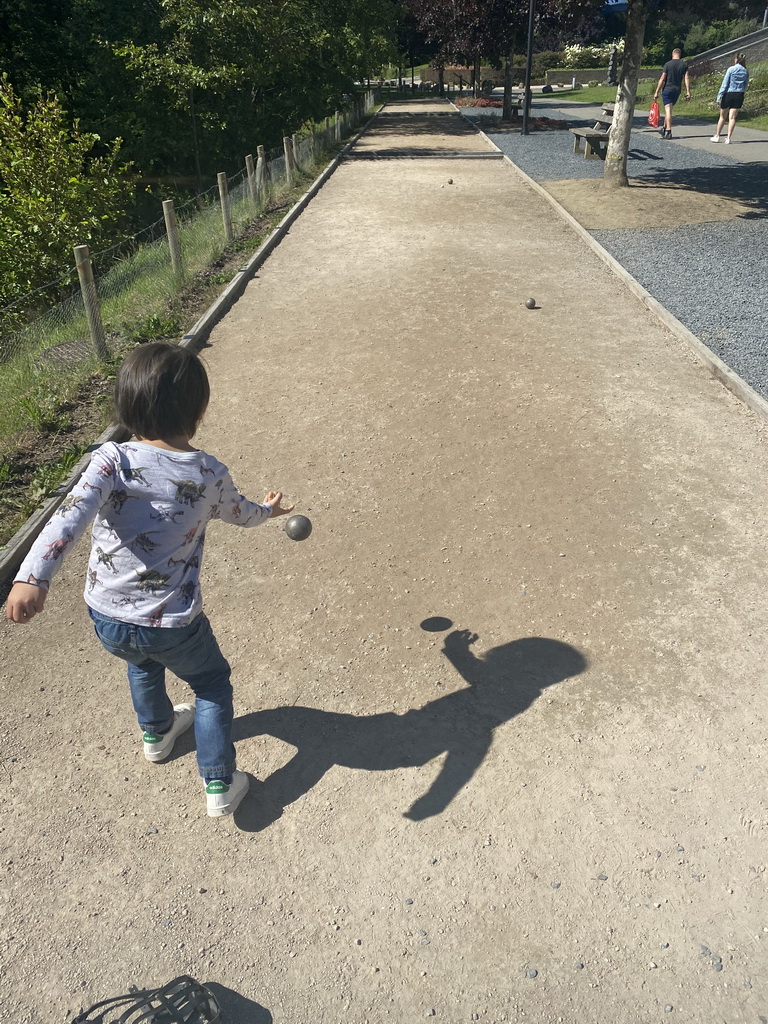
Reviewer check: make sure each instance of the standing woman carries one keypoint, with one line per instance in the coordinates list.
(731, 95)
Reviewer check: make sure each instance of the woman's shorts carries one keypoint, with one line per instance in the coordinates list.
(731, 99)
(670, 95)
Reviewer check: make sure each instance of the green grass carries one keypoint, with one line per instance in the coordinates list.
(754, 113)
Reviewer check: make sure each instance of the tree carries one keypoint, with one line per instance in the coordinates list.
(615, 173)
(53, 193)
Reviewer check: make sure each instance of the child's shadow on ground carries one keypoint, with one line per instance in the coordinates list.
(502, 683)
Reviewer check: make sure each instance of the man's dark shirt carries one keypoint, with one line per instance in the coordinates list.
(675, 72)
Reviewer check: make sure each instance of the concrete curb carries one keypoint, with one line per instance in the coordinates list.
(714, 364)
(17, 548)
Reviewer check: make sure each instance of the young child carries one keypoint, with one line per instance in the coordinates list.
(150, 501)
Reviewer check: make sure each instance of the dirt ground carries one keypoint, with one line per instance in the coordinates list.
(551, 809)
(644, 205)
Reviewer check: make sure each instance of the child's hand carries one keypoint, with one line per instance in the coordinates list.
(273, 499)
(24, 602)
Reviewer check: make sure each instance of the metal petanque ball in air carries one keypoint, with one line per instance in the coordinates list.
(530, 303)
(298, 527)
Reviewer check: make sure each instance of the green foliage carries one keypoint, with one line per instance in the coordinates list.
(703, 37)
(53, 194)
(694, 36)
(46, 479)
(154, 327)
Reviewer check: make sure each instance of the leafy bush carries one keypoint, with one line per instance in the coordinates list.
(703, 37)
(53, 195)
(545, 60)
(577, 56)
(693, 37)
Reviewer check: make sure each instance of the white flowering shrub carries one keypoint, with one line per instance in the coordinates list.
(578, 56)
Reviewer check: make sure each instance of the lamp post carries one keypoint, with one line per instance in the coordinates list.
(528, 63)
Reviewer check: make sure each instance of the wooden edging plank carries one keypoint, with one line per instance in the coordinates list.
(15, 551)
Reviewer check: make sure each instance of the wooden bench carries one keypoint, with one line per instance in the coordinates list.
(593, 142)
(605, 120)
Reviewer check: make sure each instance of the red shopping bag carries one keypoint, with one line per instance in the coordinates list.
(653, 115)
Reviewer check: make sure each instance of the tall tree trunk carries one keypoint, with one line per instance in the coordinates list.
(476, 75)
(615, 173)
(506, 111)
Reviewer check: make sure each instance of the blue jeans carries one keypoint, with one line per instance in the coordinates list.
(192, 653)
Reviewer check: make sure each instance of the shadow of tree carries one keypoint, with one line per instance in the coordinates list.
(502, 684)
(742, 182)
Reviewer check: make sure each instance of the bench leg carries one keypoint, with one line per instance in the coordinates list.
(593, 150)
(576, 147)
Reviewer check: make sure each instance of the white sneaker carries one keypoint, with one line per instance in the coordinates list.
(715, 138)
(158, 746)
(222, 799)
(727, 142)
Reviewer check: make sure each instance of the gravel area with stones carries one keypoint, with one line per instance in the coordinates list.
(712, 275)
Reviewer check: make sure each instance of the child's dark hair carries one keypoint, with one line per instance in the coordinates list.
(161, 392)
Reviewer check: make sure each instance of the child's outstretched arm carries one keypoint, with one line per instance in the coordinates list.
(62, 531)
(25, 601)
(233, 507)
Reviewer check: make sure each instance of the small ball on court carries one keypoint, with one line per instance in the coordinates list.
(298, 527)
(450, 181)
(530, 303)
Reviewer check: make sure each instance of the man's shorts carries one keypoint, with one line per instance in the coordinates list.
(670, 95)
(731, 99)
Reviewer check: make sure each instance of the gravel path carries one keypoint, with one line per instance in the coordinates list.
(711, 275)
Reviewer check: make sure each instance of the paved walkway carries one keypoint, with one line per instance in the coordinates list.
(553, 809)
(749, 146)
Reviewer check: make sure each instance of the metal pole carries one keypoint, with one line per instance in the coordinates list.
(528, 63)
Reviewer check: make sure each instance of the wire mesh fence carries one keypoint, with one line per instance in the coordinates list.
(138, 283)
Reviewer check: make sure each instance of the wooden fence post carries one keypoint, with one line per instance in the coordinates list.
(226, 213)
(288, 150)
(337, 122)
(174, 244)
(253, 188)
(261, 170)
(91, 301)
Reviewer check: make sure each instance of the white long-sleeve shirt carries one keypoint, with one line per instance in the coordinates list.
(149, 508)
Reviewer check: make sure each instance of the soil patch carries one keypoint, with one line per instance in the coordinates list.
(643, 205)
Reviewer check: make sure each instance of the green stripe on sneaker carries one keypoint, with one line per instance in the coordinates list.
(150, 737)
(216, 787)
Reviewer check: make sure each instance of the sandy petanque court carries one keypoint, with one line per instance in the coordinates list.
(549, 807)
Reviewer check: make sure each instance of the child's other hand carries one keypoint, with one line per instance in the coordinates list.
(273, 499)
(24, 602)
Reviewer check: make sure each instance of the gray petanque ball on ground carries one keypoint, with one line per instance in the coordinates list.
(298, 527)
(530, 303)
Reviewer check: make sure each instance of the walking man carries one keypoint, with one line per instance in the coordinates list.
(670, 82)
